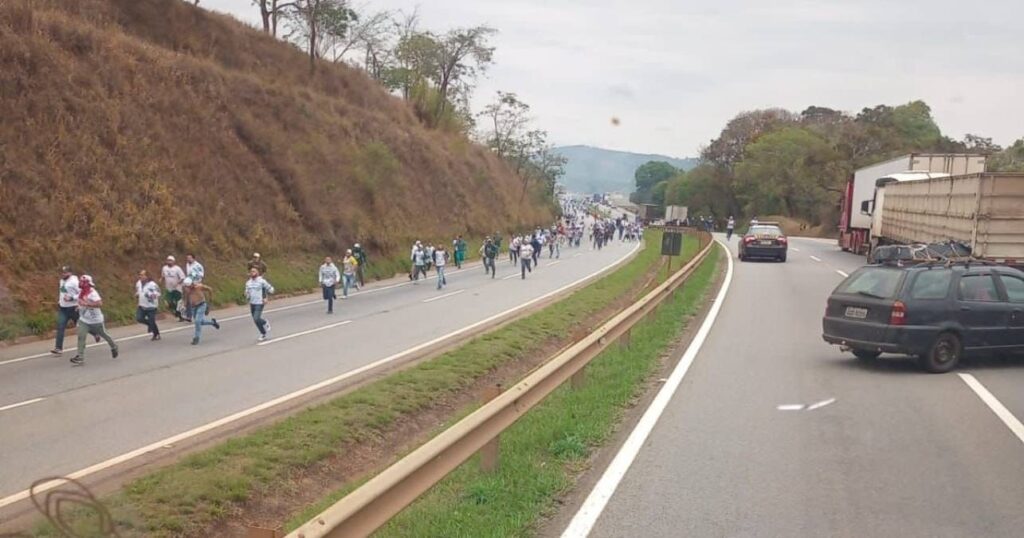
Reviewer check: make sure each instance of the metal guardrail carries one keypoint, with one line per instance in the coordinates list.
(378, 500)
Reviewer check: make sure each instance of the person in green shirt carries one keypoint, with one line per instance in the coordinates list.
(459, 246)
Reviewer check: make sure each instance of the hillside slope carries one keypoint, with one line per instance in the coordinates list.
(137, 128)
(597, 170)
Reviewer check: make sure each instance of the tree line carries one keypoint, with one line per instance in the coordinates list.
(776, 162)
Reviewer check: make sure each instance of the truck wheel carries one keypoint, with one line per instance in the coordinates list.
(866, 354)
(944, 354)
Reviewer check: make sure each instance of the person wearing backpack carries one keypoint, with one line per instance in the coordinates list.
(489, 252)
(440, 260)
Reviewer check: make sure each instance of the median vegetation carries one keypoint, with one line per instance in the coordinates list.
(543, 453)
(205, 489)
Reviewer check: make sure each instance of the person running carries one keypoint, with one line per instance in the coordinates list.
(257, 263)
(360, 255)
(197, 294)
(489, 253)
(195, 271)
(513, 249)
(329, 277)
(440, 261)
(729, 226)
(525, 256)
(90, 319)
(173, 277)
(348, 267)
(459, 246)
(419, 260)
(429, 251)
(256, 291)
(148, 294)
(67, 306)
(536, 245)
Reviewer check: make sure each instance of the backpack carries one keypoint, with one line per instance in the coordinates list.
(490, 250)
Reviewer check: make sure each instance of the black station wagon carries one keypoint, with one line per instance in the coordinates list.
(937, 312)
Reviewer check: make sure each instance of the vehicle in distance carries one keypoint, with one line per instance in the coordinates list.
(764, 240)
(936, 311)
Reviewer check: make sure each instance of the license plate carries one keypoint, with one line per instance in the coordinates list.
(766, 242)
(856, 312)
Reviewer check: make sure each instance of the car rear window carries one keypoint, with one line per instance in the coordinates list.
(981, 288)
(931, 284)
(764, 230)
(878, 282)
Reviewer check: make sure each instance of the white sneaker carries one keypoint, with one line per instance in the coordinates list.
(262, 338)
(266, 325)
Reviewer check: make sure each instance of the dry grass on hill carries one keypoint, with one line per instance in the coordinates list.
(136, 128)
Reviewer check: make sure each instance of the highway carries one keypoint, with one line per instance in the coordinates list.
(57, 419)
(772, 432)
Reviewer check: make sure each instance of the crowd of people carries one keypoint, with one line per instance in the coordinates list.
(187, 297)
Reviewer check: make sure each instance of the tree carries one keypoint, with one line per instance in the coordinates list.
(270, 12)
(1010, 159)
(648, 177)
(727, 149)
(362, 33)
(316, 22)
(788, 172)
(979, 144)
(507, 117)
(462, 53)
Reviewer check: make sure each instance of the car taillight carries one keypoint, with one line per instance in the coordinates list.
(782, 239)
(749, 239)
(898, 316)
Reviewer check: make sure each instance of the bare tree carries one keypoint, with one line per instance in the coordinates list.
(270, 12)
(462, 54)
(365, 33)
(314, 23)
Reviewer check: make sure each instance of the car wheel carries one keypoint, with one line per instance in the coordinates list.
(741, 257)
(782, 258)
(943, 355)
(866, 354)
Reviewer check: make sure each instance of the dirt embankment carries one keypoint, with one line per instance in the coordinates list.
(137, 128)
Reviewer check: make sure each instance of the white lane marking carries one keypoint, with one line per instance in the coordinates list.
(583, 522)
(556, 262)
(791, 407)
(303, 333)
(995, 405)
(819, 405)
(815, 258)
(439, 297)
(21, 404)
(513, 275)
(22, 495)
(794, 249)
(578, 254)
(844, 274)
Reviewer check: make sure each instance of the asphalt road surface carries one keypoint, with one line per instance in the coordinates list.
(57, 419)
(887, 450)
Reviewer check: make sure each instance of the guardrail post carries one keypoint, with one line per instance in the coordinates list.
(259, 532)
(627, 338)
(489, 454)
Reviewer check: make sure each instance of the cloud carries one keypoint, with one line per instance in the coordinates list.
(696, 64)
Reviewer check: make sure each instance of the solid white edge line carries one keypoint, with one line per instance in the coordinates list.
(815, 258)
(844, 274)
(21, 404)
(21, 495)
(821, 404)
(585, 519)
(303, 333)
(995, 405)
(439, 297)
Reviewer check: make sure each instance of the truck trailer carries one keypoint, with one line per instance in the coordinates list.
(984, 211)
(855, 222)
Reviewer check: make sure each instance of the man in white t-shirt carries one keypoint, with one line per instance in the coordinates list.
(173, 278)
(67, 306)
(90, 319)
(148, 294)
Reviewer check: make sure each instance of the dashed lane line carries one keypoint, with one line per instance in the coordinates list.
(303, 333)
(439, 297)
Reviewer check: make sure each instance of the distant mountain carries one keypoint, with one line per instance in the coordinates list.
(591, 169)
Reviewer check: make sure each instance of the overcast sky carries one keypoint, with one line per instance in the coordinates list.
(674, 72)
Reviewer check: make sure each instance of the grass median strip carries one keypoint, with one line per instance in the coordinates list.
(543, 453)
(189, 497)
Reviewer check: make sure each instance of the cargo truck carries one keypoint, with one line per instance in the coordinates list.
(984, 211)
(855, 223)
(676, 213)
